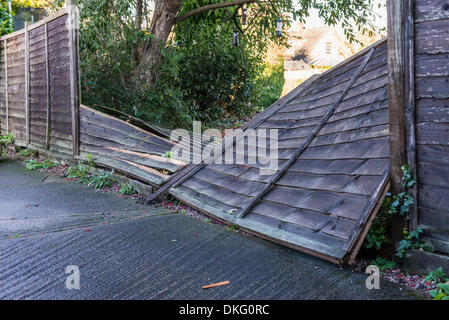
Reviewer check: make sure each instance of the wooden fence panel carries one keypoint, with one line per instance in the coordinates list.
(38, 102)
(432, 119)
(38, 87)
(3, 85)
(60, 94)
(16, 88)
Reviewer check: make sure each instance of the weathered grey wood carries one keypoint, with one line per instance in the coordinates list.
(409, 96)
(27, 83)
(134, 170)
(432, 87)
(6, 86)
(357, 244)
(320, 245)
(435, 218)
(396, 86)
(301, 148)
(432, 133)
(430, 10)
(119, 128)
(47, 69)
(431, 37)
(106, 136)
(145, 159)
(74, 80)
(369, 211)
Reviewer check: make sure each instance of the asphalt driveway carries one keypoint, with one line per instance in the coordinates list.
(125, 250)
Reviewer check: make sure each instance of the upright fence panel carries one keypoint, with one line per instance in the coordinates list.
(431, 86)
(16, 108)
(39, 84)
(38, 87)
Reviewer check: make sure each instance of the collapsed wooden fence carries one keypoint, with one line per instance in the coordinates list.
(339, 135)
(40, 105)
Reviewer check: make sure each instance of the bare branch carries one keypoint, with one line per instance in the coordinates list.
(210, 7)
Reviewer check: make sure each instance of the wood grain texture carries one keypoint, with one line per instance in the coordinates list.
(431, 50)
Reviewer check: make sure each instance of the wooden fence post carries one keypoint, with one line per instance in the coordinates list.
(399, 96)
(396, 100)
(6, 85)
(74, 73)
(396, 88)
(48, 123)
(27, 83)
(410, 128)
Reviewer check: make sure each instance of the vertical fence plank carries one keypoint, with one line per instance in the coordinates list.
(6, 86)
(74, 81)
(47, 67)
(410, 105)
(27, 83)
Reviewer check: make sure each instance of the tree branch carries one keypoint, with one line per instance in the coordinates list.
(234, 18)
(210, 7)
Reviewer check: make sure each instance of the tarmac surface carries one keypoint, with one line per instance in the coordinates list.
(125, 250)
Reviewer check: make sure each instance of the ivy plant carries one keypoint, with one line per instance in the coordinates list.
(437, 275)
(442, 293)
(412, 240)
(402, 201)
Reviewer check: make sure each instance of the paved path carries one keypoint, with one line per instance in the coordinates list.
(141, 252)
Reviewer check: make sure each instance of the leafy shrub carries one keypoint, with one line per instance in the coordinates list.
(217, 80)
(32, 164)
(7, 138)
(378, 233)
(100, 181)
(201, 77)
(5, 21)
(383, 264)
(25, 153)
(437, 275)
(269, 85)
(126, 189)
(81, 172)
(412, 240)
(394, 205)
(442, 293)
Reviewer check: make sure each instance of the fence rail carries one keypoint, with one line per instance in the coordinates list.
(39, 84)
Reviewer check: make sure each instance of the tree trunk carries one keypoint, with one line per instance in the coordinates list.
(138, 23)
(139, 14)
(165, 13)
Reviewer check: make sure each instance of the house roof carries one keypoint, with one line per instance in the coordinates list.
(304, 41)
(296, 65)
